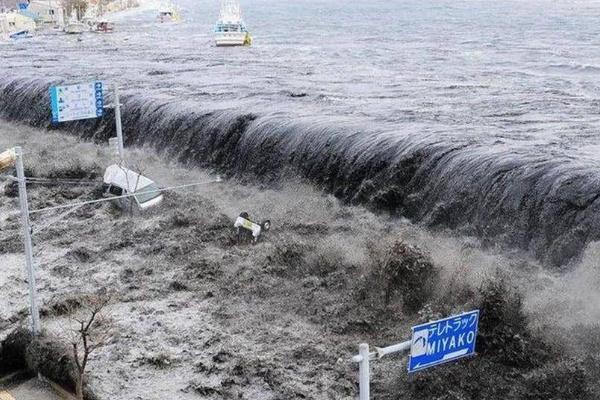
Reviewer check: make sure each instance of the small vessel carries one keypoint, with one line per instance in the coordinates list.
(74, 26)
(20, 35)
(230, 29)
(103, 26)
(95, 22)
(168, 12)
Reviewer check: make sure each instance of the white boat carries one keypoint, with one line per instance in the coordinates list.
(95, 22)
(74, 26)
(230, 29)
(168, 12)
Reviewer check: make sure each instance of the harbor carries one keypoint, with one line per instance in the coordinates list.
(43, 17)
(24, 19)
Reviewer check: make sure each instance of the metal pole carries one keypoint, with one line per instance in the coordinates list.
(35, 315)
(400, 347)
(118, 120)
(363, 371)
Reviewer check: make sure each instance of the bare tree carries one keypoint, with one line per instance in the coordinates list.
(90, 330)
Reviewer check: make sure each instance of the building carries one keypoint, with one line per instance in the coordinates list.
(47, 12)
(17, 22)
(3, 27)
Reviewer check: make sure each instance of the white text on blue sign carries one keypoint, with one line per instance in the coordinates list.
(439, 342)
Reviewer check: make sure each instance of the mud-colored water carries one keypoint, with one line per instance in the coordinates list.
(197, 316)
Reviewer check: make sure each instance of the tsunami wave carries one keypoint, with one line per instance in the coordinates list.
(546, 205)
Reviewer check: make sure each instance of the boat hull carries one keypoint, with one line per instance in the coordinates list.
(231, 39)
(76, 29)
(20, 35)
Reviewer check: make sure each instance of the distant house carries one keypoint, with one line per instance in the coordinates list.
(16, 22)
(47, 11)
(4, 32)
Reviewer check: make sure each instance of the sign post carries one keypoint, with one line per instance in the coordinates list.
(442, 341)
(118, 122)
(433, 343)
(85, 101)
(35, 315)
(75, 102)
(364, 379)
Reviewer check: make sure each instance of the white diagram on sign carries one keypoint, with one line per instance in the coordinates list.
(77, 101)
(419, 344)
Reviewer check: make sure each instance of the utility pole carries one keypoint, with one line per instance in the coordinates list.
(118, 121)
(35, 314)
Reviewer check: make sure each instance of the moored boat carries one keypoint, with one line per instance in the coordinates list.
(230, 29)
(74, 26)
(103, 26)
(168, 12)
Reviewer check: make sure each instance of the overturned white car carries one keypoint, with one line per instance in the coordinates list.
(128, 186)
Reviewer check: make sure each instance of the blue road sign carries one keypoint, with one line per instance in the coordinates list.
(83, 101)
(439, 342)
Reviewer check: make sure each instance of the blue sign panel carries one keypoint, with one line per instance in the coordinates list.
(74, 102)
(442, 341)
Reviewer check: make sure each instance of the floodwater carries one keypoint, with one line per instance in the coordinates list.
(30, 390)
(475, 117)
(490, 108)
